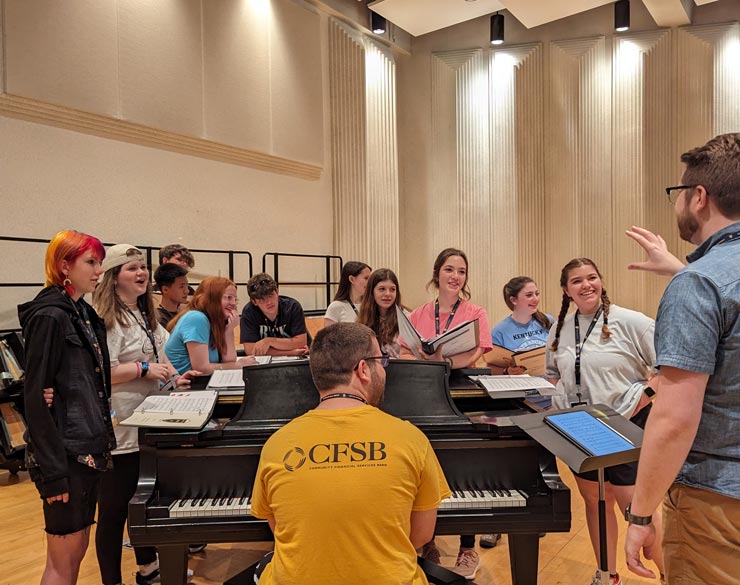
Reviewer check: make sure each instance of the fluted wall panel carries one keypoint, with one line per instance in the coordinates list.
(578, 186)
(362, 93)
(517, 195)
(382, 158)
(642, 113)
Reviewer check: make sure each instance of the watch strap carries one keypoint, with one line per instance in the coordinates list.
(638, 520)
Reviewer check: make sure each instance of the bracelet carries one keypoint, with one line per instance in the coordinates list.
(506, 371)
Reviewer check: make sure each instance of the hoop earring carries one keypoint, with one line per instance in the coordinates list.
(66, 282)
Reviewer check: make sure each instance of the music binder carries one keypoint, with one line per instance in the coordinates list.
(532, 359)
(182, 410)
(459, 339)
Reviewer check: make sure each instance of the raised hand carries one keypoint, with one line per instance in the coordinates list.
(659, 259)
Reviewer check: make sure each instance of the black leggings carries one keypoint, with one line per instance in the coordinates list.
(117, 488)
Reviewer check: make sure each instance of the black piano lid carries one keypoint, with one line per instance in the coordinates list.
(415, 391)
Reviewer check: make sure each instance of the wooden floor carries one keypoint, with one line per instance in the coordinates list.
(565, 559)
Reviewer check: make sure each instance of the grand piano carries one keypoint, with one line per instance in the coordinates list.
(194, 487)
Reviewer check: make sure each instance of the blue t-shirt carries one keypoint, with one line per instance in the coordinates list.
(192, 326)
(517, 337)
(698, 330)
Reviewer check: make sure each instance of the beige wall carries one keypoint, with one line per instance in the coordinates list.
(247, 74)
(551, 145)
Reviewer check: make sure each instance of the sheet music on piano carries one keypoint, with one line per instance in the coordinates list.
(515, 386)
(226, 379)
(184, 410)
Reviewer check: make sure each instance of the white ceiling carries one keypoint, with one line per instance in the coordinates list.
(419, 17)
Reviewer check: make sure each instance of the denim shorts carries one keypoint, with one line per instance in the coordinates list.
(626, 473)
(79, 512)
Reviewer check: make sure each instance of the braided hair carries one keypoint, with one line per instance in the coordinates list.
(605, 302)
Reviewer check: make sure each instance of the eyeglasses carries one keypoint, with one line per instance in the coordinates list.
(230, 299)
(677, 189)
(384, 359)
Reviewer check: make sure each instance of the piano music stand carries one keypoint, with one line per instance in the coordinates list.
(580, 461)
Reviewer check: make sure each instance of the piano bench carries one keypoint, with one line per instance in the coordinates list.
(246, 577)
(439, 575)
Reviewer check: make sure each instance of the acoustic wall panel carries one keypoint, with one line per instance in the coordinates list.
(642, 113)
(382, 158)
(348, 135)
(452, 124)
(578, 160)
(517, 197)
(362, 94)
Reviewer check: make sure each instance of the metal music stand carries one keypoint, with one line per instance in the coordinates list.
(580, 461)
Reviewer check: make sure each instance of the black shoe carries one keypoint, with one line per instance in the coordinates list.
(489, 540)
(152, 577)
(196, 548)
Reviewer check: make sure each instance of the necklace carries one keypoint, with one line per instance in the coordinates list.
(343, 395)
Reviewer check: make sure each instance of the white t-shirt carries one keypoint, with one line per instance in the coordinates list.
(341, 312)
(614, 370)
(127, 345)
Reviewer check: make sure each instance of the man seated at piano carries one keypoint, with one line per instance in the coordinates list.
(272, 324)
(451, 308)
(349, 491)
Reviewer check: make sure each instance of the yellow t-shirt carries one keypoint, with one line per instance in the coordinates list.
(341, 485)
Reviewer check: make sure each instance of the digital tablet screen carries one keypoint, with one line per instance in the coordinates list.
(591, 434)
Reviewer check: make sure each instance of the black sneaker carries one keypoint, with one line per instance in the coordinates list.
(489, 540)
(152, 577)
(196, 548)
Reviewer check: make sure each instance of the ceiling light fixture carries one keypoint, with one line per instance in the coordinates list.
(377, 23)
(622, 15)
(497, 29)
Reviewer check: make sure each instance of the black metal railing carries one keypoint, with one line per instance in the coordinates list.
(326, 284)
(148, 250)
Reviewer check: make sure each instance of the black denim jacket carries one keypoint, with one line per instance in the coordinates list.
(60, 355)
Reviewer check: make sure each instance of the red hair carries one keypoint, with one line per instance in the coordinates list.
(207, 299)
(68, 245)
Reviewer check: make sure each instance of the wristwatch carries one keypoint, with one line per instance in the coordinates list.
(638, 520)
(648, 390)
(144, 368)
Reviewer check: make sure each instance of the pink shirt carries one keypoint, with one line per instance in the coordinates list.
(422, 318)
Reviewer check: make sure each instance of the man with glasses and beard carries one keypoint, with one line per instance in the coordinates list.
(691, 447)
(349, 491)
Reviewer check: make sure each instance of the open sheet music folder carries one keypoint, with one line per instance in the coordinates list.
(459, 339)
(182, 410)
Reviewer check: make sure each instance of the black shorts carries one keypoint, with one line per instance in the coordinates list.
(626, 473)
(79, 512)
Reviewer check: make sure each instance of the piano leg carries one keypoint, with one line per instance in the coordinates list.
(524, 552)
(173, 564)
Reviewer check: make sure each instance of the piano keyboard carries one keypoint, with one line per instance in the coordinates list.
(207, 507)
(240, 506)
(477, 499)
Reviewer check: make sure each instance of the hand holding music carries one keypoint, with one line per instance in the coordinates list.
(160, 372)
(659, 259)
(246, 361)
(183, 382)
(262, 346)
(64, 498)
(516, 370)
(639, 538)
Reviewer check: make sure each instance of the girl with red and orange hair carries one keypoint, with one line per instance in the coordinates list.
(69, 443)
